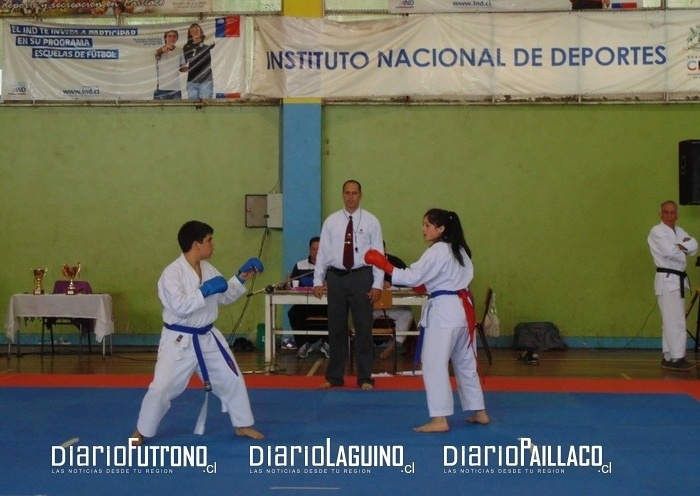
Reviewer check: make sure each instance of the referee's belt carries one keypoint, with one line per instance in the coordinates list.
(196, 332)
(679, 273)
(345, 272)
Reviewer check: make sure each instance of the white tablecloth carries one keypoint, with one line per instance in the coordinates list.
(90, 306)
(304, 296)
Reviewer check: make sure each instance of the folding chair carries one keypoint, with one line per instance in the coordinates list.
(480, 326)
(383, 326)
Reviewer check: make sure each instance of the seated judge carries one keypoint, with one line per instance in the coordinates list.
(299, 314)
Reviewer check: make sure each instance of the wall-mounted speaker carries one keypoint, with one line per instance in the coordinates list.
(689, 172)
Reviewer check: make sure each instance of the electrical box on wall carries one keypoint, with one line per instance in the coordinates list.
(263, 211)
(274, 211)
(255, 210)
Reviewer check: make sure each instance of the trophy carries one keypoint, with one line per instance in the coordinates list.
(39, 280)
(71, 272)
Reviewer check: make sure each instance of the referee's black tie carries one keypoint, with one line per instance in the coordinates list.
(348, 256)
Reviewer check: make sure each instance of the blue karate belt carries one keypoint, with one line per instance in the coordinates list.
(463, 294)
(200, 331)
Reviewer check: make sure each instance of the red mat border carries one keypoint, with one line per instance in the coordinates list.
(264, 381)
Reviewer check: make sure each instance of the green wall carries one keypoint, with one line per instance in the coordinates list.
(110, 187)
(556, 200)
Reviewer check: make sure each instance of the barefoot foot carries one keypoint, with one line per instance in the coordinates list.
(436, 424)
(138, 439)
(479, 417)
(249, 432)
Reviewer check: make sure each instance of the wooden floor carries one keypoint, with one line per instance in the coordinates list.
(579, 363)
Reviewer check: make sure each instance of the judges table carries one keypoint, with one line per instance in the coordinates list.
(87, 306)
(305, 296)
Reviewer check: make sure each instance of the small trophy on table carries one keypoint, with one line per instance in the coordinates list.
(71, 272)
(39, 280)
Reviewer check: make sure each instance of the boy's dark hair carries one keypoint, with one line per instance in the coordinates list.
(192, 231)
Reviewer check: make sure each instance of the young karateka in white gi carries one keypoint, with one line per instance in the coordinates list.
(670, 246)
(445, 270)
(191, 290)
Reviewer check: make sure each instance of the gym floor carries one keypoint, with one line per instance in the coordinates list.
(572, 363)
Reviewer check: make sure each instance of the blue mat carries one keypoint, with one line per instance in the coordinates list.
(640, 444)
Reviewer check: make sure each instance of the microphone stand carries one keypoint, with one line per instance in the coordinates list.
(280, 285)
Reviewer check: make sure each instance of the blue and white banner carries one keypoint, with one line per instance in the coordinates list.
(479, 55)
(65, 62)
(103, 7)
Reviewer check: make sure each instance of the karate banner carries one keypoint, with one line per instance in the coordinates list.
(444, 6)
(103, 7)
(479, 55)
(65, 62)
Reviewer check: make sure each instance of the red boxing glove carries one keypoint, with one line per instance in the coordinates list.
(377, 258)
(420, 289)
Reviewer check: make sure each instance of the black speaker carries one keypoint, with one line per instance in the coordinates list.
(689, 172)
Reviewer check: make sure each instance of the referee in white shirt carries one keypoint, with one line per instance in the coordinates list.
(353, 286)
